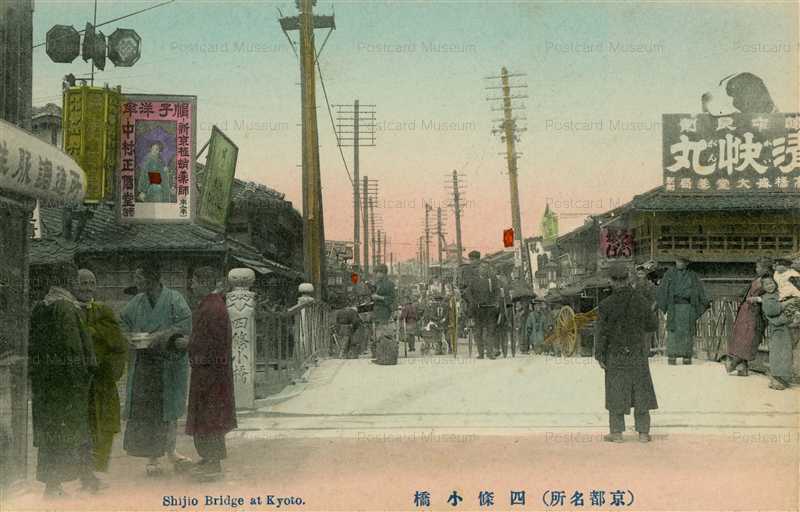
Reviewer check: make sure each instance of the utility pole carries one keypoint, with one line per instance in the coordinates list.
(365, 189)
(380, 248)
(428, 209)
(457, 197)
(356, 128)
(313, 226)
(439, 233)
(383, 252)
(509, 130)
(372, 231)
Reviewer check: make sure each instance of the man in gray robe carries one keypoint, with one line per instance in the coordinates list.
(682, 297)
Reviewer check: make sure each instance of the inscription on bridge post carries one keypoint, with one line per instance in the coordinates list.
(241, 304)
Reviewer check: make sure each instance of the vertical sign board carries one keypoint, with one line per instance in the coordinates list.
(156, 155)
(91, 133)
(215, 196)
(739, 153)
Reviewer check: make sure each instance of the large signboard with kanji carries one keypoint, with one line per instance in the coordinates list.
(736, 153)
(91, 132)
(31, 167)
(157, 154)
(215, 201)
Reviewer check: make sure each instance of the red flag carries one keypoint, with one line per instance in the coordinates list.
(508, 237)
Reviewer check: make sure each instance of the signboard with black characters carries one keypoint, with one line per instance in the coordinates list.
(739, 153)
(215, 198)
(157, 148)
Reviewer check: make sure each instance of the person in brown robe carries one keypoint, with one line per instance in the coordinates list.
(212, 411)
(111, 350)
(749, 325)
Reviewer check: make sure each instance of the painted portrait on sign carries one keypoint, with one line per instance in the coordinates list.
(155, 157)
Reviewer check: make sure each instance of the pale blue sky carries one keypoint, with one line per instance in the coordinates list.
(604, 64)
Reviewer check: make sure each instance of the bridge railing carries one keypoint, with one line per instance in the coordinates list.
(288, 342)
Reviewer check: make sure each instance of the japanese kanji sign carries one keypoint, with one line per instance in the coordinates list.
(34, 168)
(217, 180)
(91, 135)
(736, 153)
(616, 243)
(157, 154)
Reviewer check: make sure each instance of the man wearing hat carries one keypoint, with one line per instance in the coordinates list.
(682, 297)
(621, 348)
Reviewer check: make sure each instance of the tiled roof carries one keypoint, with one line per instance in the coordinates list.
(661, 200)
(104, 234)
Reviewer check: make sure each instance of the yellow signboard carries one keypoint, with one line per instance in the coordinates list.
(91, 137)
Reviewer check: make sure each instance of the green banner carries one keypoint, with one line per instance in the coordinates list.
(220, 169)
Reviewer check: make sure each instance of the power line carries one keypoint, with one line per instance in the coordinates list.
(117, 19)
(333, 124)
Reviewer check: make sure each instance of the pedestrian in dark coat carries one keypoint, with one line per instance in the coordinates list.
(622, 350)
(61, 365)
(211, 411)
(749, 325)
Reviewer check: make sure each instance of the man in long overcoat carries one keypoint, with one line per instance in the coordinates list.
(682, 297)
(622, 349)
(61, 364)
(211, 412)
(111, 350)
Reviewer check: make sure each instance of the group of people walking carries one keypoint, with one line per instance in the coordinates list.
(79, 349)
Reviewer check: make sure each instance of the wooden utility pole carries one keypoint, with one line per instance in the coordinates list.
(427, 242)
(356, 127)
(439, 233)
(379, 249)
(383, 252)
(457, 213)
(313, 225)
(509, 130)
(372, 231)
(365, 211)
(356, 198)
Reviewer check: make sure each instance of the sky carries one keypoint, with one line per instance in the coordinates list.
(599, 76)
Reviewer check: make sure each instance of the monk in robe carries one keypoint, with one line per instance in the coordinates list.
(682, 297)
(61, 363)
(158, 373)
(111, 351)
(212, 411)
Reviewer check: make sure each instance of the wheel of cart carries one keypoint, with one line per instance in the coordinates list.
(564, 337)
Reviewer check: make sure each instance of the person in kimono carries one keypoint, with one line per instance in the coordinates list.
(153, 180)
(61, 363)
(788, 281)
(748, 326)
(682, 297)
(348, 324)
(622, 349)
(534, 328)
(780, 339)
(408, 322)
(111, 351)
(212, 411)
(158, 374)
(645, 286)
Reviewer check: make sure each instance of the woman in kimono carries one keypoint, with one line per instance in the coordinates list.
(780, 339)
(153, 180)
(748, 327)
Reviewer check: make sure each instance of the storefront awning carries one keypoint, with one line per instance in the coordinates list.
(32, 167)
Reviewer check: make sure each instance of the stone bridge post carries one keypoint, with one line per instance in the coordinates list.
(241, 302)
